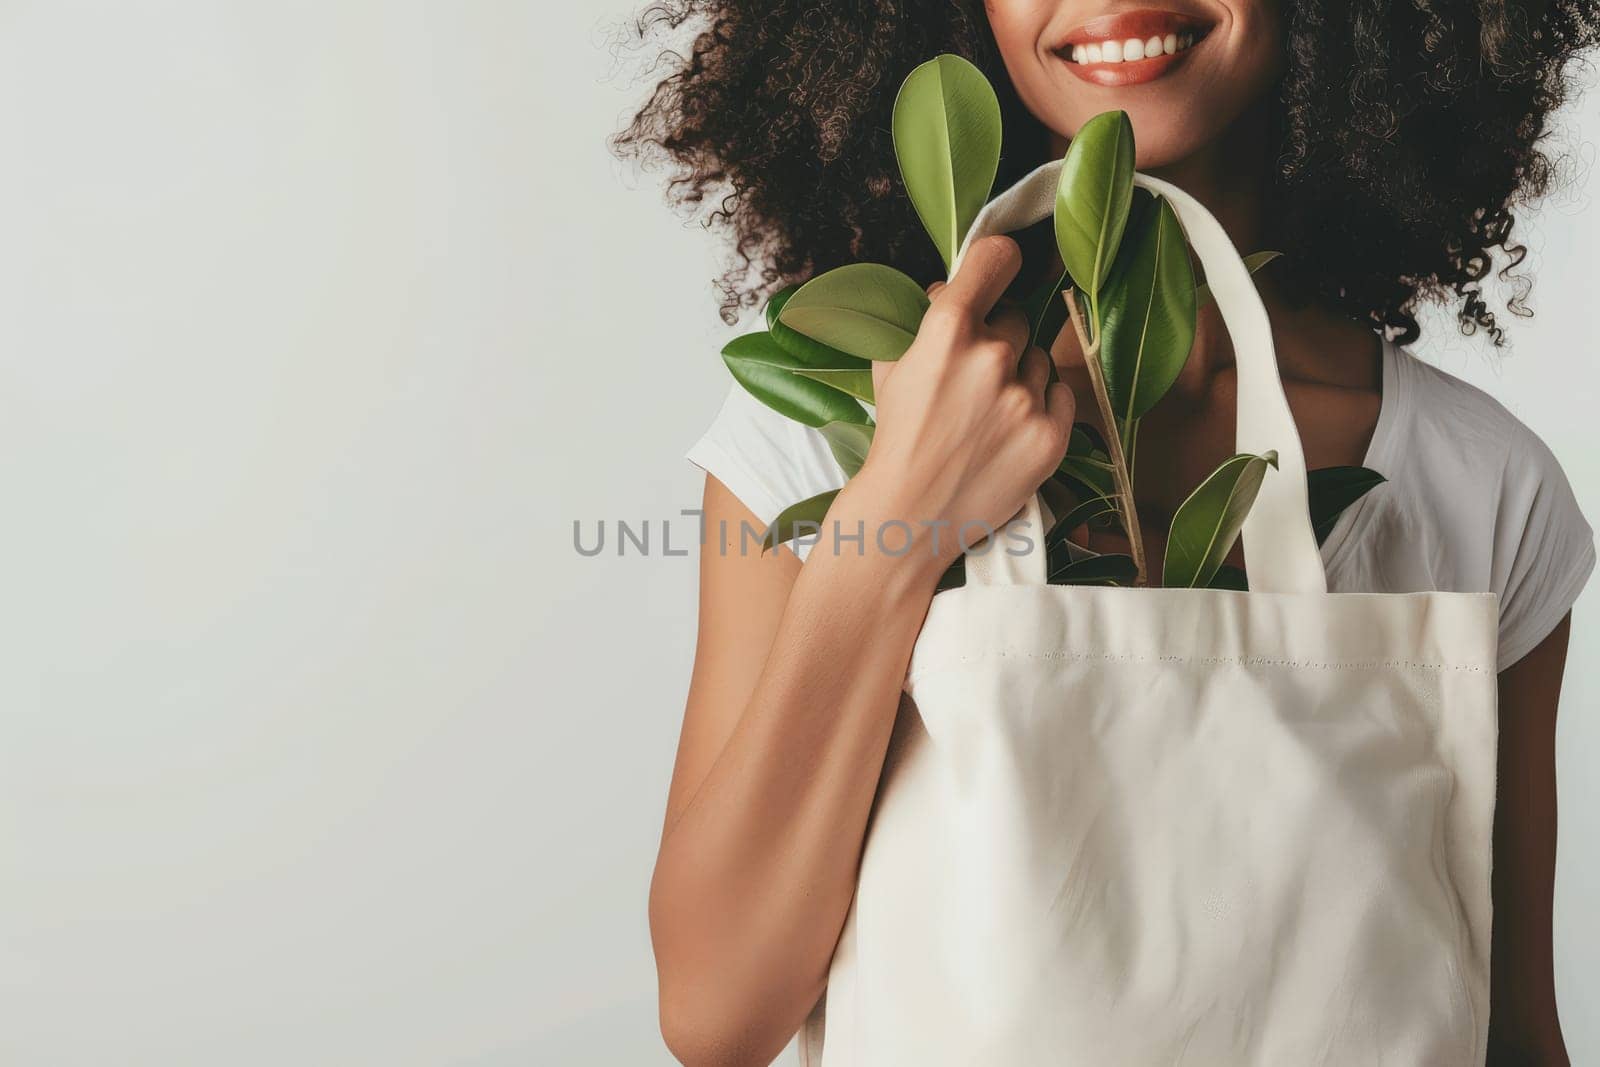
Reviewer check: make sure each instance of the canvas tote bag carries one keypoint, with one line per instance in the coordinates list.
(1162, 827)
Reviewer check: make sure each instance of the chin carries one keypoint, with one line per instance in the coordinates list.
(1184, 72)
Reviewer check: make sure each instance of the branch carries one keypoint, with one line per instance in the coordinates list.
(1119, 462)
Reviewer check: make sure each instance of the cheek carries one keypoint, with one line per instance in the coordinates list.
(1259, 39)
(1019, 28)
(1016, 25)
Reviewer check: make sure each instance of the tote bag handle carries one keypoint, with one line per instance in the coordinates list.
(1280, 547)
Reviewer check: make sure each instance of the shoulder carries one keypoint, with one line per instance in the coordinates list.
(1490, 497)
(1448, 429)
(766, 460)
(1439, 407)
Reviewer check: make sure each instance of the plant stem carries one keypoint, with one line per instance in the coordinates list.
(1119, 462)
(1130, 436)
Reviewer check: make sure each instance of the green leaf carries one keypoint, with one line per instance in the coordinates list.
(1093, 472)
(1253, 262)
(849, 442)
(811, 353)
(1092, 508)
(1046, 311)
(775, 305)
(856, 383)
(1086, 467)
(1093, 197)
(1061, 495)
(797, 519)
(1228, 577)
(773, 377)
(1116, 569)
(1333, 489)
(1147, 312)
(1086, 440)
(1207, 524)
(947, 139)
(866, 310)
(954, 576)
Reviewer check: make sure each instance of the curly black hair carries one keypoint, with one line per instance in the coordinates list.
(1408, 130)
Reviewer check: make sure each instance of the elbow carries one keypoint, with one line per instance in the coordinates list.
(721, 1003)
(698, 1041)
(693, 1028)
(703, 1027)
(682, 1037)
(710, 1019)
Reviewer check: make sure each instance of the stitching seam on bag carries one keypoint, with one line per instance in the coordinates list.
(1251, 661)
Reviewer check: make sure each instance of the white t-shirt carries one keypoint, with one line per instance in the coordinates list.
(1474, 502)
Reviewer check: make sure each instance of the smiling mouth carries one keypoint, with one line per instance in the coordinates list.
(1132, 47)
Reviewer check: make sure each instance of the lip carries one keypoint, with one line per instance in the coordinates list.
(1142, 23)
(1146, 22)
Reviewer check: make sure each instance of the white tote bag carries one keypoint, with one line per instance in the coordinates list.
(1159, 827)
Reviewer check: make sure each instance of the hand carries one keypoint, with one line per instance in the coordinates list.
(969, 423)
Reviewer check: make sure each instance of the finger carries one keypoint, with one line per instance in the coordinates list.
(935, 289)
(1010, 323)
(1034, 370)
(1061, 404)
(989, 266)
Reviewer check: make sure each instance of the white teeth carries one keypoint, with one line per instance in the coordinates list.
(1132, 49)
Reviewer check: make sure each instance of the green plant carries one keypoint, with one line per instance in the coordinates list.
(1128, 289)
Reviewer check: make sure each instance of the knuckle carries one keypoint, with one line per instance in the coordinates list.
(1016, 401)
(991, 374)
(1015, 341)
(997, 350)
(1044, 438)
(945, 318)
(995, 362)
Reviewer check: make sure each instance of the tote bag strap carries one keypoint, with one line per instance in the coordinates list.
(1015, 554)
(1280, 547)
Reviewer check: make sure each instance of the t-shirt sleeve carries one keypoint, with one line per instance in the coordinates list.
(1544, 547)
(767, 460)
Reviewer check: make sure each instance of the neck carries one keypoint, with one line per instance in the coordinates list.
(1230, 177)
(1314, 344)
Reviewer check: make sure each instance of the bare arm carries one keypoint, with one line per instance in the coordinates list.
(798, 672)
(1523, 1025)
(789, 713)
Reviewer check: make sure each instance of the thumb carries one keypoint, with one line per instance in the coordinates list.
(881, 369)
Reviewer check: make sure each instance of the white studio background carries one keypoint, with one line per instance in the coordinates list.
(320, 324)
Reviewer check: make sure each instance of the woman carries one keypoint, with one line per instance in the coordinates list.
(1379, 145)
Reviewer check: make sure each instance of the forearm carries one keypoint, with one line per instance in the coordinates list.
(760, 865)
(1524, 1026)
